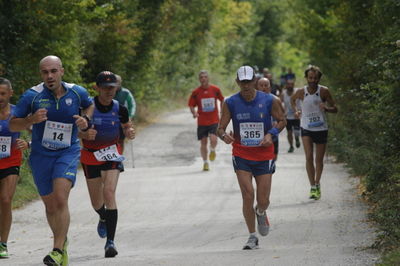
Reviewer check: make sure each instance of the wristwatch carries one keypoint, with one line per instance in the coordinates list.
(223, 136)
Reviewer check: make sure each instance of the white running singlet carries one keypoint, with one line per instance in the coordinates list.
(312, 117)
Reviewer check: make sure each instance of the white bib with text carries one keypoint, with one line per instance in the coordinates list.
(251, 134)
(208, 104)
(109, 153)
(5, 147)
(57, 135)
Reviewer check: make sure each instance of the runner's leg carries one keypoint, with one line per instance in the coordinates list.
(7, 190)
(263, 191)
(57, 211)
(95, 188)
(308, 150)
(203, 148)
(110, 179)
(319, 161)
(213, 141)
(246, 187)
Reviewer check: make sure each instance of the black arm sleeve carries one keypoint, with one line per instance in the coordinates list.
(123, 114)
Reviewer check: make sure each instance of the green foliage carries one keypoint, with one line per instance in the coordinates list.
(158, 47)
(390, 259)
(354, 43)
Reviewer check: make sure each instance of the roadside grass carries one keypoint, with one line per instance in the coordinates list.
(391, 259)
(380, 181)
(26, 189)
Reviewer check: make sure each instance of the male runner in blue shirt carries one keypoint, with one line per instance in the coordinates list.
(53, 109)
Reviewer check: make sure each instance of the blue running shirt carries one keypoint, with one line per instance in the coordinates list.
(251, 122)
(59, 131)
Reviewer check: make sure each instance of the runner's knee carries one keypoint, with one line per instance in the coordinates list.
(248, 194)
(109, 195)
(5, 200)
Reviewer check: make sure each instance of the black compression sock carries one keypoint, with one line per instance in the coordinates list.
(102, 212)
(111, 223)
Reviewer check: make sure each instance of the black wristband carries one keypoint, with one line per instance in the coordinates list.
(88, 123)
(87, 118)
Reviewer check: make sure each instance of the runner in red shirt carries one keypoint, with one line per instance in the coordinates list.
(10, 161)
(203, 105)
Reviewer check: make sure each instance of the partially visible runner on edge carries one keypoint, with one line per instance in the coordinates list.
(125, 97)
(275, 88)
(293, 123)
(264, 85)
(203, 106)
(53, 108)
(316, 101)
(10, 161)
(253, 151)
(101, 155)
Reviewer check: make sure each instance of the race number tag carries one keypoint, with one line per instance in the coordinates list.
(315, 120)
(208, 104)
(251, 134)
(109, 153)
(5, 147)
(57, 135)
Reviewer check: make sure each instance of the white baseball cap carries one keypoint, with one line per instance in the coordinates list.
(245, 73)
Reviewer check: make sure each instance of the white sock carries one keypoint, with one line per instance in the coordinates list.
(205, 161)
(212, 149)
(258, 211)
(253, 234)
(314, 186)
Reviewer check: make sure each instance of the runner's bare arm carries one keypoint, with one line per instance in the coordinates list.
(326, 96)
(83, 122)
(19, 124)
(89, 134)
(223, 123)
(293, 98)
(89, 111)
(278, 114)
(129, 131)
(194, 112)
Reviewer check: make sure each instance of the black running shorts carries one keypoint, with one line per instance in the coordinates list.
(94, 171)
(205, 131)
(318, 137)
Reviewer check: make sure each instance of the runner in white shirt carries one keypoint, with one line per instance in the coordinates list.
(316, 101)
(293, 123)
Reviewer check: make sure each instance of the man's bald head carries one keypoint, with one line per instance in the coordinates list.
(52, 59)
(51, 72)
(264, 85)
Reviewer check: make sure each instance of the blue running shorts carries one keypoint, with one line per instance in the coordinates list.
(255, 167)
(46, 168)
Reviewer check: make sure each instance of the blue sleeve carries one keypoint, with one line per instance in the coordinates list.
(24, 105)
(86, 100)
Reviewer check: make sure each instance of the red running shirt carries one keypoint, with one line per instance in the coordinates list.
(206, 102)
(15, 157)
